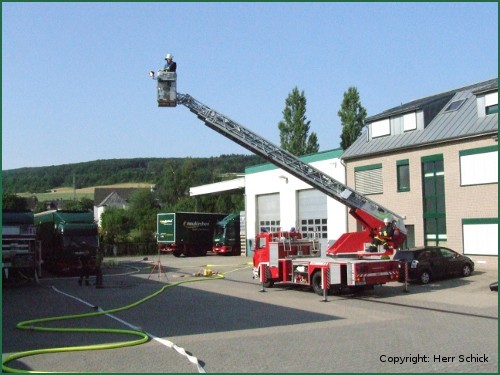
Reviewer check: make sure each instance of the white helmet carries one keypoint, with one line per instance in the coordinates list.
(169, 56)
(386, 220)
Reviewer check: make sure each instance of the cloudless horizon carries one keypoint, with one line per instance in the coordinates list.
(75, 84)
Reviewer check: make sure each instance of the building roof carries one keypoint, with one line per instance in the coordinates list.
(320, 156)
(103, 194)
(439, 125)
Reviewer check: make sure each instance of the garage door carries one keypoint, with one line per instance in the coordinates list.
(313, 215)
(268, 212)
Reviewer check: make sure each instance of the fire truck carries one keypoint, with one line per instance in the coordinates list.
(286, 256)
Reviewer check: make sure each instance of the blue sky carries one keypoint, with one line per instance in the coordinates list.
(75, 84)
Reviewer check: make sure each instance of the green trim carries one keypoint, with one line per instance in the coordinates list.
(403, 162)
(368, 167)
(437, 157)
(311, 158)
(492, 220)
(479, 150)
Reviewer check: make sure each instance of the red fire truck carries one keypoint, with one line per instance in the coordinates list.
(286, 256)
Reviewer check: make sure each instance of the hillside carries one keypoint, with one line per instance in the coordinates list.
(166, 173)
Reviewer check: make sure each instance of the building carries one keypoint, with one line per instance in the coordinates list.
(275, 199)
(435, 162)
(110, 197)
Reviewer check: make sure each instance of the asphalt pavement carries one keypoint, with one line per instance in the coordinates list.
(225, 323)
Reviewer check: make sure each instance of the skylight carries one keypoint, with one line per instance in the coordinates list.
(455, 105)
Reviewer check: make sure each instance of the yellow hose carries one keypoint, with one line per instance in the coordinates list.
(143, 337)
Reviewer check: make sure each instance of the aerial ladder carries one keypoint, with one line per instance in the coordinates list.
(368, 213)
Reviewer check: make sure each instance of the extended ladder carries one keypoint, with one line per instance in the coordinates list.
(287, 161)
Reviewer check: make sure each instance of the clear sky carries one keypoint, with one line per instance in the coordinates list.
(75, 84)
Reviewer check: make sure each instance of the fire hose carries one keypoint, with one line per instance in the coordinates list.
(140, 336)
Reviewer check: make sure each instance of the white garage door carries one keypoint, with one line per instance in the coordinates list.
(268, 212)
(480, 238)
(313, 215)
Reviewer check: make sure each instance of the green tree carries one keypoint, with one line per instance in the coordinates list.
(13, 202)
(116, 225)
(83, 204)
(352, 117)
(294, 128)
(142, 211)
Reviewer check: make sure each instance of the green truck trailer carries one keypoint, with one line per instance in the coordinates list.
(187, 233)
(64, 237)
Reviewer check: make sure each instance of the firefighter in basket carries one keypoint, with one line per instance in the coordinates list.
(384, 235)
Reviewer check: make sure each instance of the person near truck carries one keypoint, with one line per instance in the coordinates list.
(385, 234)
(84, 268)
(98, 268)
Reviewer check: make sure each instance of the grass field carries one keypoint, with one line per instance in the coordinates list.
(67, 193)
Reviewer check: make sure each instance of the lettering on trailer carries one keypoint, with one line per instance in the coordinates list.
(196, 224)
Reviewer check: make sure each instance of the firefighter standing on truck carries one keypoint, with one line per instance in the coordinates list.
(385, 234)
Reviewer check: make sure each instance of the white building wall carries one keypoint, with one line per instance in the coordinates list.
(279, 181)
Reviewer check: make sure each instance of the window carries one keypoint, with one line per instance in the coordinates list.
(491, 103)
(479, 166)
(368, 179)
(455, 105)
(480, 236)
(435, 232)
(492, 109)
(381, 128)
(409, 121)
(403, 175)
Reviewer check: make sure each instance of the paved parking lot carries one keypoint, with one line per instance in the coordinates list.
(228, 325)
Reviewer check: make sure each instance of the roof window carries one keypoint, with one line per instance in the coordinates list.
(455, 105)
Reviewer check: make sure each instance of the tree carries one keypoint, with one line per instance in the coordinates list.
(142, 211)
(352, 116)
(13, 202)
(83, 204)
(116, 225)
(294, 128)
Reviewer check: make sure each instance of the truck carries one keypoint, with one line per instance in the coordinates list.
(186, 233)
(19, 250)
(64, 237)
(227, 239)
(347, 262)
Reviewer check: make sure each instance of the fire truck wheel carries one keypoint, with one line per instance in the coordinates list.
(269, 284)
(177, 253)
(316, 283)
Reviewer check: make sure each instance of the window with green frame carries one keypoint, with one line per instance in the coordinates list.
(403, 175)
(492, 109)
(435, 232)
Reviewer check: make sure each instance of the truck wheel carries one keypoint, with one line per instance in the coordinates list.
(177, 253)
(316, 283)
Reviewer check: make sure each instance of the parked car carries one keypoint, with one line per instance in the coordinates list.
(432, 262)
(494, 286)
